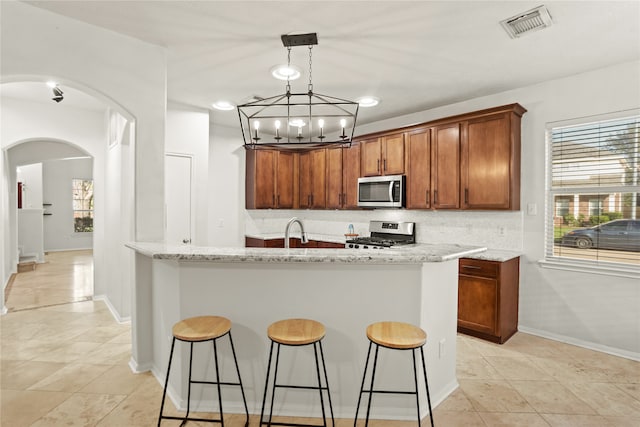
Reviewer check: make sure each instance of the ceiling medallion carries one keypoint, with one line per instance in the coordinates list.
(298, 120)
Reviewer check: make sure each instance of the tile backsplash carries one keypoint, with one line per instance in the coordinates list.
(493, 229)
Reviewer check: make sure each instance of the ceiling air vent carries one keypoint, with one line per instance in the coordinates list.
(531, 20)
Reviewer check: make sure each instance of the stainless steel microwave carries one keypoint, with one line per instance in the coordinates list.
(381, 191)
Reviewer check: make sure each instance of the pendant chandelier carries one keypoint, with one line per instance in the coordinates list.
(298, 120)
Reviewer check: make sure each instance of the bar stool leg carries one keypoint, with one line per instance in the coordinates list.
(246, 408)
(364, 375)
(166, 382)
(215, 360)
(275, 380)
(324, 416)
(373, 375)
(415, 380)
(189, 385)
(424, 369)
(266, 383)
(326, 380)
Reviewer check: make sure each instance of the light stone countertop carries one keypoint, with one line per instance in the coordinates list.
(495, 255)
(414, 255)
(499, 255)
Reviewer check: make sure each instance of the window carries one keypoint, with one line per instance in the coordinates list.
(82, 205)
(593, 187)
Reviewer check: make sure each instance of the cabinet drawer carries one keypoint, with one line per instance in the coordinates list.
(476, 267)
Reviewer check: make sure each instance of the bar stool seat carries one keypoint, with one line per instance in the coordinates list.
(202, 329)
(296, 332)
(394, 336)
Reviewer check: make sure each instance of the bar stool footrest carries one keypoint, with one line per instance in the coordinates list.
(274, 423)
(206, 420)
(388, 392)
(304, 387)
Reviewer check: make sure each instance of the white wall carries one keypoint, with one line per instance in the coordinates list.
(226, 186)
(59, 231)
(588, 309)
(188, 133)
(31, 178)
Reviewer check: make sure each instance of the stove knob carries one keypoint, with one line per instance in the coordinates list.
(365, 247)
(351, 245)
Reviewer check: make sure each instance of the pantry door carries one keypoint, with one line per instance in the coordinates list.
(178, 187)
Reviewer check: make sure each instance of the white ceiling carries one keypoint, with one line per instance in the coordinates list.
(413, 55)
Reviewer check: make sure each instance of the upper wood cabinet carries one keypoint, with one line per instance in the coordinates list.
(418, 181)
(269, 179)
(334, 178)
(383, 155)
(491, 161)
(350, 175)
(312, 179)
(469, 161)
(445, 166)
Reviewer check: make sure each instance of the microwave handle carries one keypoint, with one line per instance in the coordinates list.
(391, 191)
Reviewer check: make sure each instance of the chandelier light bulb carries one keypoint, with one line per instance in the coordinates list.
(278, 137)
(256, 126)
(52, 84)
(321, 125)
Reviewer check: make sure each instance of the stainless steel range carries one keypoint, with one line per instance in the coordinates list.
(385, 234)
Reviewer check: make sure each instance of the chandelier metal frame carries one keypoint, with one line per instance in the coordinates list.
(298, 120)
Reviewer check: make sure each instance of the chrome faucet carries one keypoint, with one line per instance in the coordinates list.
(303, 235)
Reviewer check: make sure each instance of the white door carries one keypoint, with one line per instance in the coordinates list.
(178, 198)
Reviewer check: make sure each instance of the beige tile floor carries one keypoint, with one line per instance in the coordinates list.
(65, 364)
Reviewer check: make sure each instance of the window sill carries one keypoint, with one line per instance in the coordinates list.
(604, 268)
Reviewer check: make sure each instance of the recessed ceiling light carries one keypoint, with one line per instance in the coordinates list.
(285, 72)
(52, 84)
(223, 105)
(368, 101)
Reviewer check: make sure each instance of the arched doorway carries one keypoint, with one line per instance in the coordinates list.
(90, 125)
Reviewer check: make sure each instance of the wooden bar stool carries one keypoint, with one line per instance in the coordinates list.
(200, 329)
(395, 336)
(296, 332)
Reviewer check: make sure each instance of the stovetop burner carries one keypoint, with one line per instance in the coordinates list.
(385, 235)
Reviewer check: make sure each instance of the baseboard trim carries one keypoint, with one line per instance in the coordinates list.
(580, 343)
(112, 309)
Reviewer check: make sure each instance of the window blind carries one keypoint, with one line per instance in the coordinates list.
(594, 179)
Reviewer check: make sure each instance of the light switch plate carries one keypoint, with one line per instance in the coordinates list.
(532, 209)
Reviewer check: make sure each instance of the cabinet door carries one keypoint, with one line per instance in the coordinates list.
(350, 175)
(318, 179)
(334, 178)
(304, 177)
(487, 163)
(264, 180)
(419, 169)
(445, 167)
(371, 152)
(393, 154)
(478, 303)
(284, 180)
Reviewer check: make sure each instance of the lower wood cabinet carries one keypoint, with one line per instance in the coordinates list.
(488, 298)
(253, 242)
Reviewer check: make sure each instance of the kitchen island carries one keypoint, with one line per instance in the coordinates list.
(344, 289)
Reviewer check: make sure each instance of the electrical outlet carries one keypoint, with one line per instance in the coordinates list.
(220, 223)
(501, 230)
(441, 347)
